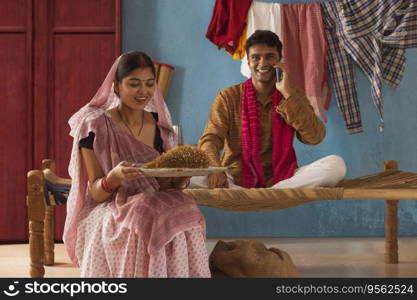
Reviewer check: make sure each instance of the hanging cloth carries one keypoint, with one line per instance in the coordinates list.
(227, 23)
(305, 52)
(261, 16)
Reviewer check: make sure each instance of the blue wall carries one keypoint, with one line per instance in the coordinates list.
(173, 31)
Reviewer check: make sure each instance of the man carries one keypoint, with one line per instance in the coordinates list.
(253, 125)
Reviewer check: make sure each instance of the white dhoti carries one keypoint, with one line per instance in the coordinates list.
(325, 172)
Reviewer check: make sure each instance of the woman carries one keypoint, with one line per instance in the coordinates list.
(120, 223)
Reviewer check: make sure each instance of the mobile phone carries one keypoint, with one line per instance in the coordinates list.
(278, 73)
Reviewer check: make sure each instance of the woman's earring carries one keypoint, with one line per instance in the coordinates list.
(116, 89)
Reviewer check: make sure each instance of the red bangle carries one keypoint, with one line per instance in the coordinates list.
(105, 186)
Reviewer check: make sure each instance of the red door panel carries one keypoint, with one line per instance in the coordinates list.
(78, 74)
(53, 56)
(14, 12)
(80, 64)
(16, 116)
(84, 41)
(82, 13)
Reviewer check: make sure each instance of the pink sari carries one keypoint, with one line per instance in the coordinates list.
(140, 231)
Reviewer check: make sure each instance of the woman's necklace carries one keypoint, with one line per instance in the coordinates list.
(141, 125)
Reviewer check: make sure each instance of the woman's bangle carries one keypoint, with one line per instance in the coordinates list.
(105, 186)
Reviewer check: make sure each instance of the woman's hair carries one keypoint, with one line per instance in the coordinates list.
(131, 61)
(264, 37)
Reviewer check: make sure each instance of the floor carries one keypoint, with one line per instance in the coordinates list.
(313, 257)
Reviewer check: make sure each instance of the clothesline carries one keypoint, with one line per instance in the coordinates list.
(372, 34)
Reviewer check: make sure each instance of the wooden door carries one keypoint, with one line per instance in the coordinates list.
(15, 115)
(82, 40)
(55, 61)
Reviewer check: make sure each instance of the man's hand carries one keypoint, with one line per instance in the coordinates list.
(283, 86)
(217, 180)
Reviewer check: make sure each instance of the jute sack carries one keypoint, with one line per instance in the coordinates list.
(250, 258)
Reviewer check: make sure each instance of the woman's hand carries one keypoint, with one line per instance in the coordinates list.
(125, 171)
(167, 183)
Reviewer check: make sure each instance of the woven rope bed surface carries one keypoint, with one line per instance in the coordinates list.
(388, 185)
(390, 179)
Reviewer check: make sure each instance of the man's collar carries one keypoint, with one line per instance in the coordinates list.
(266, 101)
